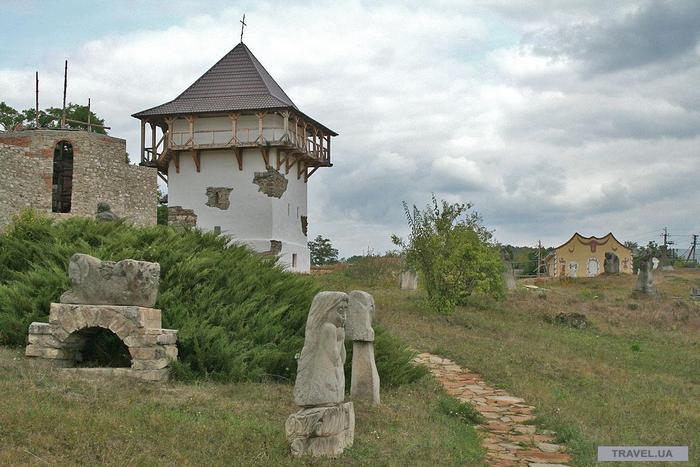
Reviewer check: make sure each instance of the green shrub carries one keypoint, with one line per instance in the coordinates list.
(239, 316)
(453, 252)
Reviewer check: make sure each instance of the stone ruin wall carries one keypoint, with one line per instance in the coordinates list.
(100, 174)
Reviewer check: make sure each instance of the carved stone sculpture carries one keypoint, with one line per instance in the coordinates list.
(104, 213)
(320, 377)
(408, 280)
(114, 296)
(508, 273)
(325, 425)
(365, 378)
(645, 280)
(128, 282)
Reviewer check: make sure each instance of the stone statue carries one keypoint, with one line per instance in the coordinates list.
(408, 280)
(128, 282)
(104, 213)
(325, 425)
(365, 378)
(645, 280)
(320, 377)
(508, 273)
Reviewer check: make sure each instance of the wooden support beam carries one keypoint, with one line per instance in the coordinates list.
(281, 160)
(196, 158)
(239, 157)
(265, 151)
(261, 116)
(308, 174)
(289, 164)
(301, 168)
(234, 126)
(163, 177)
(153, 140)
(143, 141)
(171, 125)
(190, 120)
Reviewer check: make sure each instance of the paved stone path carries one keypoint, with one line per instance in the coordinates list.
(508, 439)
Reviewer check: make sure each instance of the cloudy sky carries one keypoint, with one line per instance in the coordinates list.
(550, 116)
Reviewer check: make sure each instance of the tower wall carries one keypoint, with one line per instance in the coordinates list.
(101, 173)
(258, 206)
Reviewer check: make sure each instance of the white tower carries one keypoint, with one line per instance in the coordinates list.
(236, 154)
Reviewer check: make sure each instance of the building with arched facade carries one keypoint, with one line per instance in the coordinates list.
(237, 154)
(589, 257)
(66, 173)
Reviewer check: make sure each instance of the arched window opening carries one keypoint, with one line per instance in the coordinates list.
(101, 348)
(62, 177)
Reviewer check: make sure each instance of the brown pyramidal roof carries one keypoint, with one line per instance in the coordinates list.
(236, 82)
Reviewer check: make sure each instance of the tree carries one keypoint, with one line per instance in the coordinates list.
(9, 117)
(50, 118)
(453, 252)
(322, 252)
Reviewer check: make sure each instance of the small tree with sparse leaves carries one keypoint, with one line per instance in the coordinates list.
(322, 252)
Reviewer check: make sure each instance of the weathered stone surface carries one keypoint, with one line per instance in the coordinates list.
(408, 280)
(365, 378)
(154, 364)
(47, 352)
(128, 282)
(104, 213)
(40, 328)
(508, 273)
(167, 337)
(177, 215)
(304, 225)
(100, 173)
(275, 247)
(320, 379)
(122, 320)
(218, 197)
(645, 280)
(271, 182)
(360, 314)
(321, 431)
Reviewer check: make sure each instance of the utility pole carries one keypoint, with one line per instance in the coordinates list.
(691, 252)
(667, 242)
(539, 257)
(65, 85)
(36, 107)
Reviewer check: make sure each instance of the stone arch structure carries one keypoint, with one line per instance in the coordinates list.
(139, 328)
(62, 184)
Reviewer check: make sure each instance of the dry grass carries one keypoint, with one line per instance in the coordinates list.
(51, 418)
(632, 377)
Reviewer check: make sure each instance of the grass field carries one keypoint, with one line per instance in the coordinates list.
(631, 378)
(49, 418)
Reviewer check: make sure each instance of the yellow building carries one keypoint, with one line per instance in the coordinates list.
(589, 256)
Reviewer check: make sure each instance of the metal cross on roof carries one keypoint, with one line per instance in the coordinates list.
(243, 24)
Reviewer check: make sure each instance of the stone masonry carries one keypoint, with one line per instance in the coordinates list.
(115, 296)
(59, 341)
(100, 174)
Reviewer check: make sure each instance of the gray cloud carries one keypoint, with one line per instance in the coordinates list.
(656, 32)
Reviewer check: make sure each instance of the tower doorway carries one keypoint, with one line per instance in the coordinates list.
(62, 187)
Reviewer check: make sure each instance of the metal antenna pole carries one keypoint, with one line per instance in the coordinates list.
(65, 85)
(36, 105)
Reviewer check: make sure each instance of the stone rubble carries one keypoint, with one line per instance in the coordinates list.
(508, 436)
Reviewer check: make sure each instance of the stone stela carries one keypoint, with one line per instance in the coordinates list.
(325, 424)
(364, 384)
(115, 296)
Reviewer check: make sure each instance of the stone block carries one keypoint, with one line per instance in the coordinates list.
(127, 282)
(147, 353)
(365, 378)
(150, 364)
(321, 431)
(40, 328)
(170, 351)
(408, 280)
(44, 352)
(151, 375)
(167, 337)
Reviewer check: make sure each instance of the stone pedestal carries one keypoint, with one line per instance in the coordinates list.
(60, 341)
(408, 280)
(321, 431)
(365, 378)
